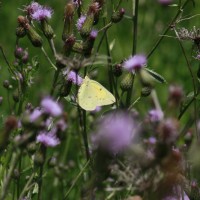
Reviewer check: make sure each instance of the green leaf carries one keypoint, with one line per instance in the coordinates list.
(156, 76)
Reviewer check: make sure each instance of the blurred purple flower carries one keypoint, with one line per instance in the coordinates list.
(135, 62)
(51, 107)
(80, 22)
(35, 115)
(39, 12)
(49, 139)
(74, 78)
(155, 115)
(93, 34)
(61, 125)
(115, 132)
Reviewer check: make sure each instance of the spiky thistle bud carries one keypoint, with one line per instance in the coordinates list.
(68, 21)
(78, 47)
(47, 29)
(117, 70)
(89, 43)
(118, 15)
(6, 84)
(146, 91)
(34, 37)
(87, 25)
(20, 32)
(69, 42)
(127, 82)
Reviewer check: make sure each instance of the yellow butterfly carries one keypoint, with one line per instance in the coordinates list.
(92, 94)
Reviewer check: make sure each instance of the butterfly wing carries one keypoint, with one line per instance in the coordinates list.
(92, 94)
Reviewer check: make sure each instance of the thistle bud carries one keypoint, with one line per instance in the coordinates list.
(78, 47)
(25, 57)
(20, 32)
(127, 82)
(6, 84)
(9, 126)
(68, 21)
(34, 37)
(87, 25)
(39, 158)
(19, 52)
(118, 15)
(69, 42)
(89, 43)
(47, 29)
(23, 22)
(53, 161)
(16, 97)
(188, 137)
(146, 91)
(117, 70)
(31, 147)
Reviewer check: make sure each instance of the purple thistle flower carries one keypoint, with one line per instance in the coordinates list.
(42, 14)
(155, 115)
(93, 34)
(49, 139)
(114, 132)
(33, 7)
(35, 115)
(80, 22)
(39, 12)
(135, 62)
(51, 107)
(74, 78)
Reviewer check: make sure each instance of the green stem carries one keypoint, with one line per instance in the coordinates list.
(26, 187)
(7, 179)
(56, 75)
(47, 57)
(76, 179)
(134, 45)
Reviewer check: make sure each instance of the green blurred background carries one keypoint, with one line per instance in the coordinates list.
(168, 59)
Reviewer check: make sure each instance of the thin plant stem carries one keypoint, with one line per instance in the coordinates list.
(134, 45)
(47, 57)
(136, 101)
(8, 177)
(25, 189)
(76, 179)
(155, 99)
(110, 76)
(51, 43)
(56, 75)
